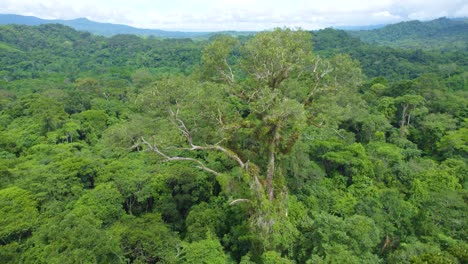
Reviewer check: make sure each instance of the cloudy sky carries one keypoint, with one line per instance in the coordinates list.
(212, 15)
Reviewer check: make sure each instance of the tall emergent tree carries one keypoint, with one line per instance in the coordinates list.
(244, 112)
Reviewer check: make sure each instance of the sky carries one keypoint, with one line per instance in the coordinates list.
(217, 15)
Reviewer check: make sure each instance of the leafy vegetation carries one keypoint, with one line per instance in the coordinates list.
(284, 147)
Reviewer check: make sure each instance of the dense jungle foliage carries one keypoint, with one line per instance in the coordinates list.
(284, 147)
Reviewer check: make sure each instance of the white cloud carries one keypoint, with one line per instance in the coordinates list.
(239, 14)
(52, 9)
(462, 12)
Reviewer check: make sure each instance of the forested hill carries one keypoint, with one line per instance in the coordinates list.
(392, 62)
(39, 51)
(438, 34)
(109, 29)
(103, 29)
(284, 147)
(44, 50)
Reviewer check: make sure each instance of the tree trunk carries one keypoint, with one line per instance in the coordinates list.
(271, 163)
(403, 120)
(270, 174)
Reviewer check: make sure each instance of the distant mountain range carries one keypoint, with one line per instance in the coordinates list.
(428, 35)
(103, 29)
(108, 29)
(368, 27)
(439, 34)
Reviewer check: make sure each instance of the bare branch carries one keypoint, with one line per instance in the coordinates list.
(230, 77)
(257, 186)
(155, 149)
(334, 130)
(338, 133)
(227, 152)
(180, 125)
(184, 130)
(319, 75)
(186, 133)
(200, 164)
(239, 201)
(219, 118)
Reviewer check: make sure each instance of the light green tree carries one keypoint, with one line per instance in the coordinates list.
(19, 217)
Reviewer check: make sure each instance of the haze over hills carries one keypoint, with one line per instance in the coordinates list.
(109, 29)
(439, 34)
(103, 29)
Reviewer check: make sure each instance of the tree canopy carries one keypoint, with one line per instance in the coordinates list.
(285, 147)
